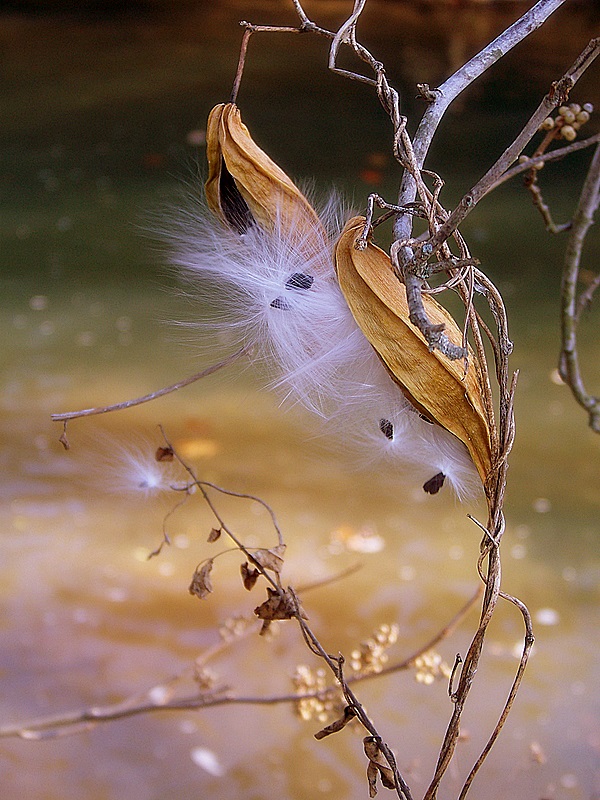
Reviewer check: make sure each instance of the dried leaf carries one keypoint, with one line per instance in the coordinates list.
(277, 606)
(372, 773)
(201, 584)
(164, 454)
(271, 558)
(249, 576)
(436, 386)
(214, 535)
(338, 724)
(377, 766)
(245, 186)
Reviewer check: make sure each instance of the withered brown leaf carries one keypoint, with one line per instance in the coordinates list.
(164, 454)
(277, 606)
(435, 385)
(201, 584)
(372, 773)
(338, 724)
(270, 558)
(249, 575)
(377, 766)
(214, 535)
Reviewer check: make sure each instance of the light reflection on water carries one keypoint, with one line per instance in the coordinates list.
(87, 620)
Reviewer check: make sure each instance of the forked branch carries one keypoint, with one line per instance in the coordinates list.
(572, 304)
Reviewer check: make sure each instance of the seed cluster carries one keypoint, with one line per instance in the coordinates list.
(205, 678)
(568, 121)
(308, 681)
(371, 656)
(431, 667)
(234, 627)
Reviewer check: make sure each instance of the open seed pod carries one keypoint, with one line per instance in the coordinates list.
(245, 187)
(436, 386)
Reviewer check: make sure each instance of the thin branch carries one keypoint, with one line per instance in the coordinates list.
(276, 584)
(555, 97)
(88, 412)
(545, 158)
(527, 645)
(458, 82)
(244, 496)
(139, 704)
(570, 308)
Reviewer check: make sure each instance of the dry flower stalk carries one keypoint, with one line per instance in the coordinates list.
(437, 387)
(244, 186)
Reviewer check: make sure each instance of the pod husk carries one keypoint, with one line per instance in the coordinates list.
(245, 187)
(434, 384)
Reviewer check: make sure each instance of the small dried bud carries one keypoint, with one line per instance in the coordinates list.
(547, 124)
(214, 535)
(234, 628)
(249, 576)
(563, 110)
(568, 132)
(588, 107)
(338, 725)
(201, 584)
(164, 454)
(323, 704)
(583, 117)
(575, 107)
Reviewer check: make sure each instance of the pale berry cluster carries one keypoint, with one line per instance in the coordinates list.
(309, 681)
(568, 120)
(431, 667)
(371, 657)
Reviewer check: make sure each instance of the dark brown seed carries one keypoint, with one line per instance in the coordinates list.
(433, 485)
(386, 427)
(279, 302)
(299, 280)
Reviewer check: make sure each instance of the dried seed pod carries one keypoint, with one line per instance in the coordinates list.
(244, 186)
(436, 386)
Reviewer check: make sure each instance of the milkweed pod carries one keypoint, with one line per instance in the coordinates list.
(436, 386)
(244, 186)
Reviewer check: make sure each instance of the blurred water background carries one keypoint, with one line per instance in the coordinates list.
(103, 111)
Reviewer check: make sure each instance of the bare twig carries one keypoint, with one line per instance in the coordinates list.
(527, 645)
(570, 307)
(275, 583)
(142, 704)
(88, 412)
(557, 95)
(546, 158)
